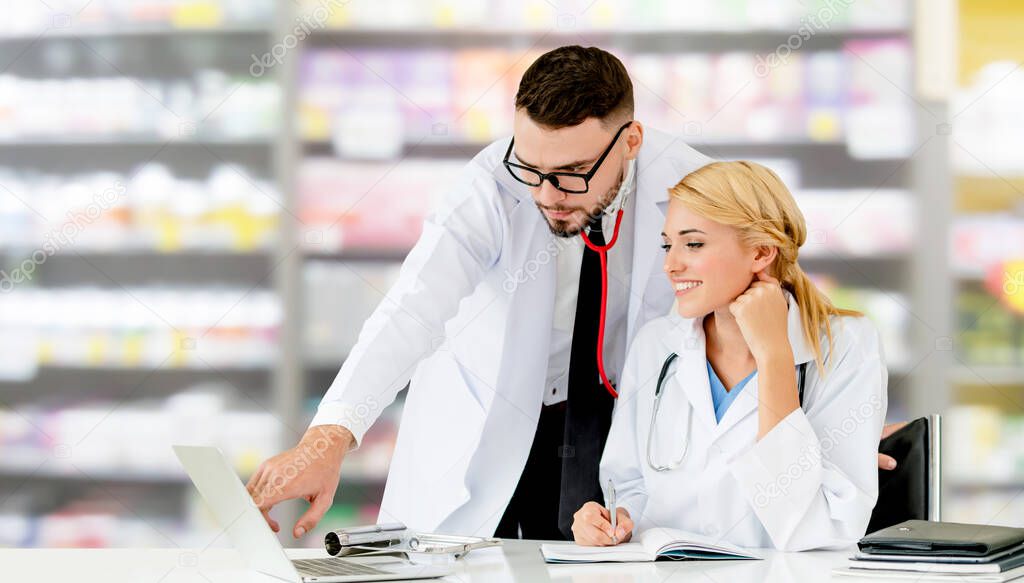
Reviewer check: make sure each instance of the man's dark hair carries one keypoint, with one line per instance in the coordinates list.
(565, 86)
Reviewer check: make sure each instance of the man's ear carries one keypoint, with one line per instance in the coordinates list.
(634, 139)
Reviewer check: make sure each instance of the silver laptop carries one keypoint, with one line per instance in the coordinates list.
(236, 512)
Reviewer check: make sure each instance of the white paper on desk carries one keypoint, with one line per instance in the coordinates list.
(650, 545)
(645, 571)
(573, 553)
(923, 576)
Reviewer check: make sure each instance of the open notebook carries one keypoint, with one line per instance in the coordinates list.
(649, 545)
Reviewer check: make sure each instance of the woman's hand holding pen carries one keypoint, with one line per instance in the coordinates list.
(592, 526)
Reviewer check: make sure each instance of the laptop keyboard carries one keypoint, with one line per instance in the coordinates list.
(334, 567)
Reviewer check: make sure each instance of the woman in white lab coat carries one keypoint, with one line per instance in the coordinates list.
(736, 454)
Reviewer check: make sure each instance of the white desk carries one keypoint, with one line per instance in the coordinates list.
(518, 561)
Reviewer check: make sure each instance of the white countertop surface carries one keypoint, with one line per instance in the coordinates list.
(518, 561)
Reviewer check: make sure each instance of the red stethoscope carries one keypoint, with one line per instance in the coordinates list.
(602, 251)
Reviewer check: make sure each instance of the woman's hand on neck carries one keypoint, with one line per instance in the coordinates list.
(724, 335)
(761, 315)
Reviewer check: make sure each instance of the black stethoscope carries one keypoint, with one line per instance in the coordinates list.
(801, 372)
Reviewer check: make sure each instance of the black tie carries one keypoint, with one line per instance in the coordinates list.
(588, 404)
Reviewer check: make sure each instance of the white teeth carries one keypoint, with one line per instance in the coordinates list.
(685, 285)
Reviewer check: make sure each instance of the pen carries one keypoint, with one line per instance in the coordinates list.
(612, 510)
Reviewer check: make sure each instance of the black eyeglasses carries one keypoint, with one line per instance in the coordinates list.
(570, 182)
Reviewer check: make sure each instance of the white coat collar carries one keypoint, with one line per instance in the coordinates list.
(691, 376)
(626, 190)
(501, 174)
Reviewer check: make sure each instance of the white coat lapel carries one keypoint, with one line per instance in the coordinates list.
(691, 376)
(514, 187)
(530, 288)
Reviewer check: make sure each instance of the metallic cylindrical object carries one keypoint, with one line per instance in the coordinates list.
(339, 542)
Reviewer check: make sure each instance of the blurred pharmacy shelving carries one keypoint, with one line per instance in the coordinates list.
(306, 181)
(984, 444)
(140, 226)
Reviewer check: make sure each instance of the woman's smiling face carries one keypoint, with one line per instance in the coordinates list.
(706, 263)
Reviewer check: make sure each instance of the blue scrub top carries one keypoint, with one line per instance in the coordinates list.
(722, 398)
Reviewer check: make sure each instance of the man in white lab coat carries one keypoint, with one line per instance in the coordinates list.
(495, 320)
(483, 315)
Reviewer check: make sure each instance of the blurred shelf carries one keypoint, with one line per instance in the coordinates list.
(491, 31)
(1002, 376)
(823, 259)
(147, 268)
(66, 386)
(884, 271)
(132, 140)
(740, 143)
(323, 365)
(965, 274)
(127, 30)
(640, 39)
(979, 194)
(148, 369)
(983, 483)
(462, 149)
(32, 471)
(977, 274)
(359, 255)
(797, 147)
(147, 253)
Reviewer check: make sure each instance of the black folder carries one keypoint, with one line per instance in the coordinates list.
(948, 539)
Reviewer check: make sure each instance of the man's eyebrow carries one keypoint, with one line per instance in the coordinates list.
(687, 232)
(568, 166)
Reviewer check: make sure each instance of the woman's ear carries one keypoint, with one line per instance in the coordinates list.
(764, 256)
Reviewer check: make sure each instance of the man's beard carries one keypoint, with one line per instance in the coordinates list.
(565, 228)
